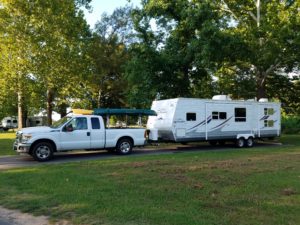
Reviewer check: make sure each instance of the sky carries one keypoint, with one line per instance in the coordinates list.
(108, 6)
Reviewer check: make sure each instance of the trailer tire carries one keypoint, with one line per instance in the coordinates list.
(249, 142)
(240, 142)
(42, 151)
(124, 146)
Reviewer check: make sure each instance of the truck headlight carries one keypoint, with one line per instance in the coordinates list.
(26, 137)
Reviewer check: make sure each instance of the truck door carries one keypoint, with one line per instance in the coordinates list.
(76, 135)
(97, 133)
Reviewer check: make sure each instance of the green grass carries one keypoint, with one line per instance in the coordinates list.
(249, 186)
(6, 143)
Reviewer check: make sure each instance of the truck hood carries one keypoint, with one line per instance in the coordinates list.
(32, 130)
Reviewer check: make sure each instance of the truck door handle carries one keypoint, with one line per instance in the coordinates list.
(88, 133)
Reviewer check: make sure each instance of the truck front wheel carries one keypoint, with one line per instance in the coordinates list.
(42, 151)
(124, 146)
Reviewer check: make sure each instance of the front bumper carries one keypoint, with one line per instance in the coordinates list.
(21, 148)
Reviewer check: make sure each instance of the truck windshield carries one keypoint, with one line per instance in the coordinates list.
(60, 122)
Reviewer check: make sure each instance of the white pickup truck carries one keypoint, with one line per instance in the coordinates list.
(76, 132)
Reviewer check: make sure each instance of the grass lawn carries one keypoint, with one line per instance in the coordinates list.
(248, 186)
(6, 143)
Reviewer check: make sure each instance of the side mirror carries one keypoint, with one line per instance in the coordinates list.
(69, 128)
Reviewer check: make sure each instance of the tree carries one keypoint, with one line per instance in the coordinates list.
(15, 47)
(175, 51)
(108, 52)
(45, 42)
(269, 30)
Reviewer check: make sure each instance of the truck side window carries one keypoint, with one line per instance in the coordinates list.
(191, 117)
(80, 123)
(95, 123)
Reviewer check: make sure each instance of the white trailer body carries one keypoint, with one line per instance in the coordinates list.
(188, 119)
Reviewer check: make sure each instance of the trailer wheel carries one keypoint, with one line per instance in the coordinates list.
(42, 151)
(240, 143)
(124, 146)
(249, 142)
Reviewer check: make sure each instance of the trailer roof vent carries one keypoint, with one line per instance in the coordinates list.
(221, 97)
(263, 100)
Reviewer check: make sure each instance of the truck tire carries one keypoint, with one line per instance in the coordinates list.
(42, 151)
(240, 142)
(249, 142)
(124, 146)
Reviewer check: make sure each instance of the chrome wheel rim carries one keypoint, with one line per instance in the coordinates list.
(249, 142)
(240, 143)
(43, 152)
(125, 147)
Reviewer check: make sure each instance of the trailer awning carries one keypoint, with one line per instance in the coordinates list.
(133, 112)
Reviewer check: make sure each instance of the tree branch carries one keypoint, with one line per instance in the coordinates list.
(253, 16)
(273, 67)
(227, 9)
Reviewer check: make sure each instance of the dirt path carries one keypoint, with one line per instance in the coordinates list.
(15, 217)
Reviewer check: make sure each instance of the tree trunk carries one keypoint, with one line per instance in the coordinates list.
(261, 85)
(50, 95)
(99, 98)
(21, 111)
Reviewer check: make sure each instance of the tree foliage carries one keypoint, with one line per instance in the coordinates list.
(185, 48)
(43, 46)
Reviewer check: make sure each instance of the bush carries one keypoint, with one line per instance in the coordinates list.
(290, 125)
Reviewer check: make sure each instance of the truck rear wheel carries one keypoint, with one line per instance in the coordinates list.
(42, 151)
(124, 146)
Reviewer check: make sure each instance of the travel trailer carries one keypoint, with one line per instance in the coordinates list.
(218, 120)
(9, 123)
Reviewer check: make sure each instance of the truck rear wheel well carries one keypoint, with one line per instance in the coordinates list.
(43, 140)
(126, 137)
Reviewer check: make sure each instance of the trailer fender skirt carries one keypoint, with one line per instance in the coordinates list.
(245, 136)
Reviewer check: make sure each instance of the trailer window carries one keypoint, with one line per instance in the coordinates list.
(219, 115)
(95, 123)
(269, 123)
(240, 114)
(223, 115)
(268, 111)
(215, 115)
(191, 117)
